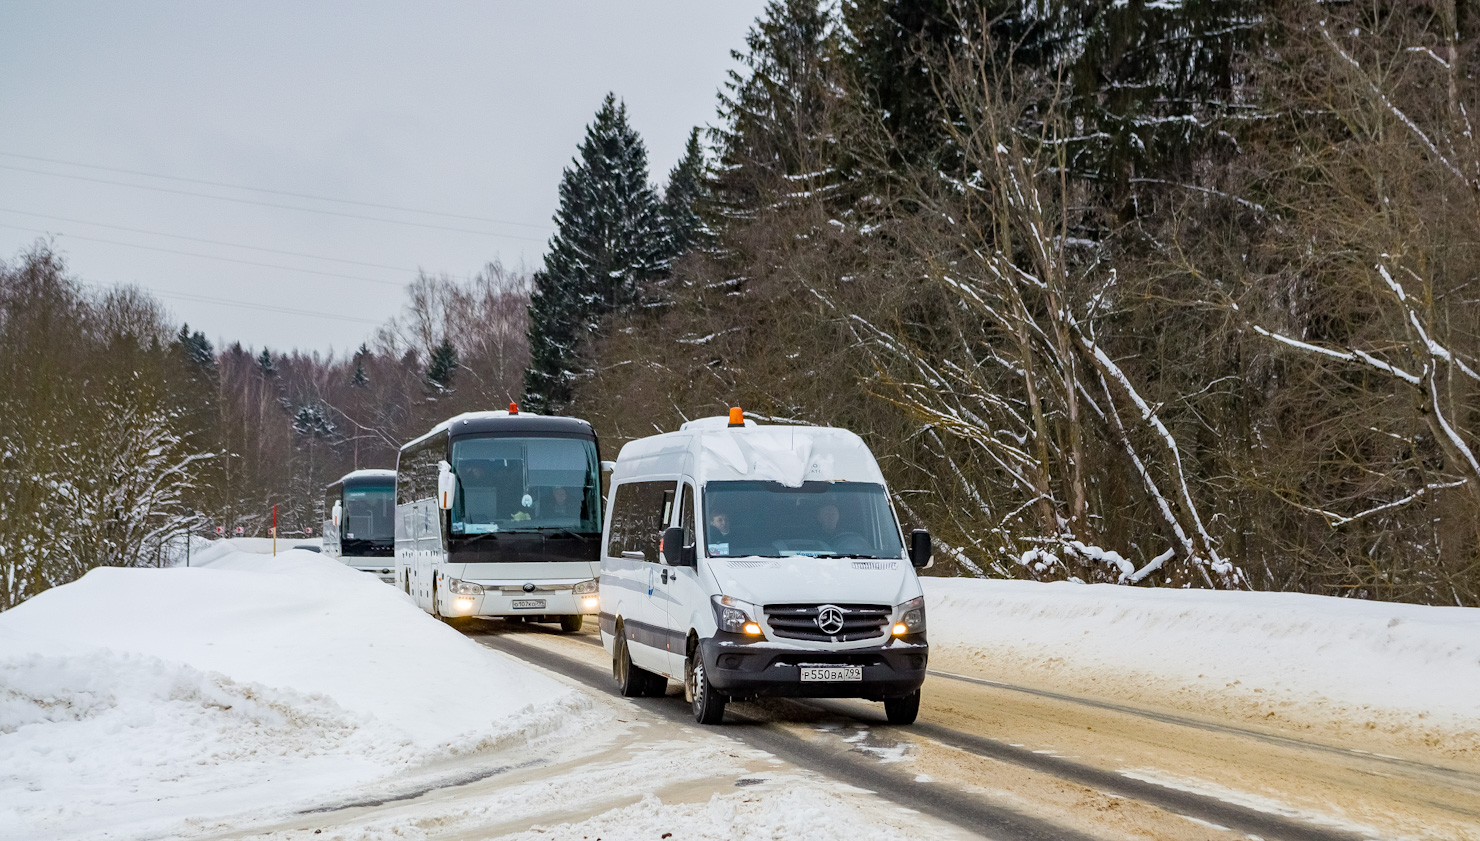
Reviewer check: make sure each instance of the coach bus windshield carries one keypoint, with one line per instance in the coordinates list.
(369, 513)
(525, 484)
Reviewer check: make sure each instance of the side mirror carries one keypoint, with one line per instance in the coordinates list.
(337, 514)
(675, 554)
(608, 466)
(920, 548)
(446, 485)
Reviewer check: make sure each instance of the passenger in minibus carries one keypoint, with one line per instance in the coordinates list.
(719, 533)
(827, 517)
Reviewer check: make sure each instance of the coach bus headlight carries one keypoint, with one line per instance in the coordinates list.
(458, 587)
(585, 588)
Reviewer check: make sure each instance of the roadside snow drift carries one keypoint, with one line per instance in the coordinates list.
(1258, 655)
(133, 699)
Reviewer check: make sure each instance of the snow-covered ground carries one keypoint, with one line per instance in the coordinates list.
(132, 699)
(290, 696)
(1284, 659)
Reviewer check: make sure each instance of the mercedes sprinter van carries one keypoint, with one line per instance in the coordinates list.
(746, 560)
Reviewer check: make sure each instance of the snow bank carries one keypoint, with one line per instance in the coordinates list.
(133, 698)
(1378, 660)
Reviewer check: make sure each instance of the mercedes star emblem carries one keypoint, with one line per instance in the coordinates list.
(830, 619)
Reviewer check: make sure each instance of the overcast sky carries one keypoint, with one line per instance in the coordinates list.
(467, 109)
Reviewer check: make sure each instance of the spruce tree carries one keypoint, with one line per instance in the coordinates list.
(682, 197)
(266, 365)
(196, 349)
(609, 246)
(442, 366)
(360, 378)
(774, 133)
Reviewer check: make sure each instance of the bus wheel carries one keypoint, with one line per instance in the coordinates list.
(632, 681)
(571, 624)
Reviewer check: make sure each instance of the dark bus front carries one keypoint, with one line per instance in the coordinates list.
(365, 535)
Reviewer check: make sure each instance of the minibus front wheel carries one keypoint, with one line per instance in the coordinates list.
(903, 710)
(709, 703)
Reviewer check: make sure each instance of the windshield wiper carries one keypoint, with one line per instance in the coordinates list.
(546, 529)
(850, 555)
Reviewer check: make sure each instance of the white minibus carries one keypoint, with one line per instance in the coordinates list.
(359, 522)
(498, 514)
(746, 560)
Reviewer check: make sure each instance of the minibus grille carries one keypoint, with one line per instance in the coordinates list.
(799, 621)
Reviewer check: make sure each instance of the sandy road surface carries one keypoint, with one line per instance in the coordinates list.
(1012, 761)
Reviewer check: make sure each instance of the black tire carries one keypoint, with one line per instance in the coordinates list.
(903, 710)
(709, 703)
(571, 624)
(632, 681)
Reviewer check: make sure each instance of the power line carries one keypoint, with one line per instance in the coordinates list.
(274, 192)
(209, 241)
(269, 204)
(212, 257)
(264, 307)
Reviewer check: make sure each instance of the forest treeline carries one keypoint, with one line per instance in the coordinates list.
(1173, 293)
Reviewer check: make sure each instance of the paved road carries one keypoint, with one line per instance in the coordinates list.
(1011, 762)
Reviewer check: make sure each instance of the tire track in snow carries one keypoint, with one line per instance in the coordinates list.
(966, 811)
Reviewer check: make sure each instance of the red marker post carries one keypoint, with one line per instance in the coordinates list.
(274, 531)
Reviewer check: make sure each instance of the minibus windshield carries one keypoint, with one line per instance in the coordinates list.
(369, 513)
(524, 484)
(818, 519)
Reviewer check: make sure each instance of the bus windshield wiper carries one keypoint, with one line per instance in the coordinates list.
(546, 529)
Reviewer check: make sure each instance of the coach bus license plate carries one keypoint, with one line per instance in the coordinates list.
(830, 673)
(529, 604)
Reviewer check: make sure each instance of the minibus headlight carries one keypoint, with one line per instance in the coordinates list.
(912, 617)
(585, 587)
(459, 587)
(735, 616)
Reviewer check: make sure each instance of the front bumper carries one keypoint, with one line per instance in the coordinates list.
(496, 603)
(749, 670)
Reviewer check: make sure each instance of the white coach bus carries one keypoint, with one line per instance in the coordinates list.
(498, 514)
(359, 522)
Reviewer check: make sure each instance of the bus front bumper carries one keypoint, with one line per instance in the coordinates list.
(496, 602)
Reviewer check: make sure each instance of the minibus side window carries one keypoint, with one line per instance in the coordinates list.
(639, 513)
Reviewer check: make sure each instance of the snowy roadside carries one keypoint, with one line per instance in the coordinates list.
(134, 699)
(294, 698)
(1408, 673)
